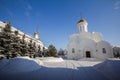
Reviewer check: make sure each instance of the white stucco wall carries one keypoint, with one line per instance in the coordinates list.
(86, 41)
(96, 36)
(108, 48)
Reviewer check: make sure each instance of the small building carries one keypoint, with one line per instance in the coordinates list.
(85, 44)
(116, 51)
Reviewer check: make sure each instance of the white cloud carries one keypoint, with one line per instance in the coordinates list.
(9, 12)
(27, 13)
(117, 5)
(116, 8)
(27, 7)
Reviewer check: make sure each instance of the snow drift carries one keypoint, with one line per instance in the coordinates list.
(110, 68)
(16, 65)
(25, 68)
(51, 59)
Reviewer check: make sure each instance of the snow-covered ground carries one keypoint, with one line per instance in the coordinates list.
(49, 68)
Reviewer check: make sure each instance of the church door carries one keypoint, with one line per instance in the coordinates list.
(88, 54)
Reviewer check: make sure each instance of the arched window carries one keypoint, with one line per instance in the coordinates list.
(83, 27)
(103, 50)
(80, 28)
(73, 50)
(0, 28)
(39, 48)
(34, 44)
(16, 32)
(23, 37)
(7, 27)
(31, 41)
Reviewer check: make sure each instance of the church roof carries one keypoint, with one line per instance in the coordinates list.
(82, 20)
(36, 32)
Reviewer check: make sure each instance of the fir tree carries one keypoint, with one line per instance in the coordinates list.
(52, 51)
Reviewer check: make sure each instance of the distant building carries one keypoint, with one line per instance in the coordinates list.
(88, 45)
(116, 51)
(28, 39)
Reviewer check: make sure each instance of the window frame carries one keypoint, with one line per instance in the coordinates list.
(104, 50)
(73, 50)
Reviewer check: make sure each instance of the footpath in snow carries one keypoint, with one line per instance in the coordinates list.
(49, 68)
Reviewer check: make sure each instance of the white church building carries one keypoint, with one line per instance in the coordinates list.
(85, 44)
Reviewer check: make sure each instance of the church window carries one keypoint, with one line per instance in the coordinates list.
(83, 28)
(0, 28)
(96, 50)
(23, 37)
(34, 44)
(73, 50)
(80, 28)
(16, 32)
(103, 50)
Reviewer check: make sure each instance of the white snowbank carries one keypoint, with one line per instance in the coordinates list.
(89, 63)
(86, 62)
(89, 59)
(37, 60)
(24, 57)
(51, 59)
(110, 68)
(3, 62)
(27, 69)
(16, 65)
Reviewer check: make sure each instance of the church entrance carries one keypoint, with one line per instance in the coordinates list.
(88, 55)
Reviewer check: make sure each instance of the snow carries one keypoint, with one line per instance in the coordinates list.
(51, 59)
(20, 64)
(50, 68)
(37, 60)
(2, 24)
(110, 68)
(89, 61)
(3, 62)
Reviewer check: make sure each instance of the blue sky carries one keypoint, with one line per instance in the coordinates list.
(56, 19)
